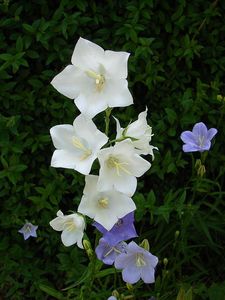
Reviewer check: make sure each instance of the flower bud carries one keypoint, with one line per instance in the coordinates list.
(88, 248)
(145, 244)
(165, 261)
(220, 97)
(177, 233)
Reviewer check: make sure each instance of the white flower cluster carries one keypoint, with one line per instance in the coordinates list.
(96, 81)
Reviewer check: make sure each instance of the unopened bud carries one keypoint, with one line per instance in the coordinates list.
(115, 294)
(177, 233)
(88, 248)
(165, 261)
(219, 97)
(145, 244)
(201, 171)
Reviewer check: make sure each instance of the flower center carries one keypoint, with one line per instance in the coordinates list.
(78, 144)
(114, 163)
(201, 140)
(99, 79)
(28, 228)
(103, 202)
(140, 262)
(69, 225)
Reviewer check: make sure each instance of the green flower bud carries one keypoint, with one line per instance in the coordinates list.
(145, 244)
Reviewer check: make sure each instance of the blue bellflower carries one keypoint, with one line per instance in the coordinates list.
(136, 263)
(123, 230)
(199, 139)
(28, 230)
(107, 253)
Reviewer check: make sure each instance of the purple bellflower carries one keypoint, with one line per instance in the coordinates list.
(123, 230)
(199, 139)
(107, 253)
(137, 263)
(28, 230)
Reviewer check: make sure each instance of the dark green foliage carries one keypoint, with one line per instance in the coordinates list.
(176, 68)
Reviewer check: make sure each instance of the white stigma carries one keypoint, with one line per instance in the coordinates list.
(103, 202)
(140, 260)
(99, 79)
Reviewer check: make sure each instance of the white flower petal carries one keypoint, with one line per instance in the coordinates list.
(87, 55)
(85, 127)
(71, 237)
(64, 159)
(115, 64)
(117, 93)
(121, 204)
(106, 218)
(91, 105)
(62, 136)
(90, 184)
(127, 184)
(64, 82)
(139, 165)
(57, 223)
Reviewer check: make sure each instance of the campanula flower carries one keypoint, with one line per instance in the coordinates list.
(119, 167)
(72, 227)
(137, 263)
(76, 145)
(199, 139)
(140, 133)
(106, 207)
(28, 230)
(108, 253)
(123, 230)
(96, 79)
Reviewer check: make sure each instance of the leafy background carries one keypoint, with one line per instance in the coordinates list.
(176, 69)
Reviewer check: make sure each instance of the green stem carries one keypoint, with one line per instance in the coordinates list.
(107, 119)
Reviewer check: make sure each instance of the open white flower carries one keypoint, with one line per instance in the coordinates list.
(139, 132)
(104, 207)
(77, 145)
(119, 167)
(96, 79)
(72, 227)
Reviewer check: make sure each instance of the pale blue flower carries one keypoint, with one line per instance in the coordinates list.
(28, 230)
(137, 263)
(199, 139)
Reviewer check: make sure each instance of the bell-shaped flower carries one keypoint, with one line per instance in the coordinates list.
(119, 167)
(28, 230)
(123, 230)
(199, 139)
(140, 134)
(106, 207)
(137, 263)
(108, 253)
(96, 79)
(72, 227)
(76, 145)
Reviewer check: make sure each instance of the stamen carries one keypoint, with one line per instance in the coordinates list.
(111, 250)
(113, 162)
(103, 202)
(69, 225)
(99, 79)
(28, 228)
(140, 260)
(77, 144)
(201, 141)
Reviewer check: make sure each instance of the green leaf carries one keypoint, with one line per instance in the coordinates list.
(52, 292)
